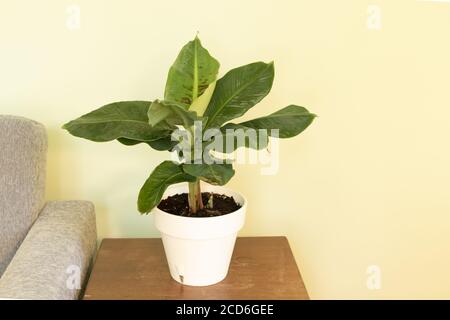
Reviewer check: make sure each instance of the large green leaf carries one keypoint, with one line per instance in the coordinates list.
(290, 121)
(233, 136)
(217, 174)
(169, 114)
(126, 119)
(191, 73)
(162, 144)
(239, 90)
(243, 137)
(164, 175)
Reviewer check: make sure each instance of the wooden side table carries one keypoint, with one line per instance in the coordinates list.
(261, 268)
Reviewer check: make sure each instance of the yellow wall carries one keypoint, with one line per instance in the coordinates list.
(367, 184)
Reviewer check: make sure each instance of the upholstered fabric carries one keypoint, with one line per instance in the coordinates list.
(23, 146)
(60, 240)
(58, 248)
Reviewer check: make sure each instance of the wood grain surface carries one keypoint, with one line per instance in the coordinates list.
(261, 268)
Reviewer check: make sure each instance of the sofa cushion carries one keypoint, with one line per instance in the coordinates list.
(23, 147)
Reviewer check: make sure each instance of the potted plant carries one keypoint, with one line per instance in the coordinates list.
(198, 228)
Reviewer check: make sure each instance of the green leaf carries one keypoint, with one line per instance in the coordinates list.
(163, 144)
(290, 121)
(216, 174)
(126, 119)
(238, 91)
(129, 142)
(235, 136)
(191, 73)
(164, 175)
(169, 114)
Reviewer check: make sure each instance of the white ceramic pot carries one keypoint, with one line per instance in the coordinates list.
(199, 250)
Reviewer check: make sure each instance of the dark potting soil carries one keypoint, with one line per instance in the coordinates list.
(178, 204)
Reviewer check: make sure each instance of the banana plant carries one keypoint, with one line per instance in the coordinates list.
(193, 94)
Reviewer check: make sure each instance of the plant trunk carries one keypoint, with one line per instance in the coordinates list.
(195, 193)
(195, 197)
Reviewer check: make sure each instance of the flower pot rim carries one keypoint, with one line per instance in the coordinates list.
(243, 203)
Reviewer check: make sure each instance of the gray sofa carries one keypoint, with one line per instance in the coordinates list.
(45, 248)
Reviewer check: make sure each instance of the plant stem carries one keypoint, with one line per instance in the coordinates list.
(195, 197)
(195, 193)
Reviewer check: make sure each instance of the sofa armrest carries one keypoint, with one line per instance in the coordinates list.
(53, 260)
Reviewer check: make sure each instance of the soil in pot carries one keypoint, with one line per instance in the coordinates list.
(178, 204)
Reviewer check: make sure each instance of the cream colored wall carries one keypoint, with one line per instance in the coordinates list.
(367, 184)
